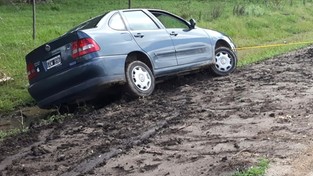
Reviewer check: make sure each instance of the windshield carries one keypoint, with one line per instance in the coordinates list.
(92, 23)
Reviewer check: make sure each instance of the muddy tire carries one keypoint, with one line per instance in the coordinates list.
(225, 62)
(140, 79)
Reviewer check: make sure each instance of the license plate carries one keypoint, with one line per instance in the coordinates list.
(53, 62)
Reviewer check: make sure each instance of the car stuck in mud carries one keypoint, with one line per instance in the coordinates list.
(194, 125)
(132, 47)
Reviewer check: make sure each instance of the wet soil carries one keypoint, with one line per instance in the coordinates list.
(191, 125)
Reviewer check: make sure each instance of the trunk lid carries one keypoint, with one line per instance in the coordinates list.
(52, 57)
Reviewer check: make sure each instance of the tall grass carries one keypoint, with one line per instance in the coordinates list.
(248, 22)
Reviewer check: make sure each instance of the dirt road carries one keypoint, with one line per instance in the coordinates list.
(192, 125)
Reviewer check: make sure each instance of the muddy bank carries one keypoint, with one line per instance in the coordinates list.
(192, 125)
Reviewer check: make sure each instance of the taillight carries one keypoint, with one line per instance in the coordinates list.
(84, 46)
(31, 71)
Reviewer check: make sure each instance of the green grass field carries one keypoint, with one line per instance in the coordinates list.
(248, 22)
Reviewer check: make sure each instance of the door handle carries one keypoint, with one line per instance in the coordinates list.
(173, 34)
(139, 35)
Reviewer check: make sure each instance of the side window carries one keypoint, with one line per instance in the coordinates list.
(170, 21)
(138, 20)
(116, 22)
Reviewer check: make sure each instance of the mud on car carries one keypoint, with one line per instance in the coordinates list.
(132, 47)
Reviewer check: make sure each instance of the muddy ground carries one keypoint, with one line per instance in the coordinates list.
(191, 125)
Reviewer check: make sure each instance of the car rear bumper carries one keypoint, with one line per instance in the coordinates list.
(78, 92)
(78, 81)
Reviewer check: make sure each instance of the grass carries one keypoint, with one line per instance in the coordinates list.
(59, 118)
(11, 132)
(258, 170)
(249, 23)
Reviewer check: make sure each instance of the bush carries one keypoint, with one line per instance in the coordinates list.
(216, 12)
(239, 10)
(254, 10)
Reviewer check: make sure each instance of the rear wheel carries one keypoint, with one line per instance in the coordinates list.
(225, 61)
(140, 80)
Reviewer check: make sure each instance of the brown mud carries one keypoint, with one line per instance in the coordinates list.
(191, 125)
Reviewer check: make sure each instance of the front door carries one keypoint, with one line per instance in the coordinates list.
(191, 45)
(151, 38)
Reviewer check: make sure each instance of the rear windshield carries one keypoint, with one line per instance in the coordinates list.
(92, 23)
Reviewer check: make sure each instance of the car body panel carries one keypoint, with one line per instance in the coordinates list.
(158, 45)
(191, 46)
(216, 36)
(169, 51)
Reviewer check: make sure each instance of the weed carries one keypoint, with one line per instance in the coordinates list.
(55, 7)
(274, 3)
(21, 128)
(59, 118)
(254, 10)
(216, 12)
(11, 132)
(239, 10)
(258, 170)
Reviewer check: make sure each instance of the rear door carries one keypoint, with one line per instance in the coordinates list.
(192, 45)
(151, 38)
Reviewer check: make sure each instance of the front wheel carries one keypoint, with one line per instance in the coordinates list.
(140, 80)
(225, 61)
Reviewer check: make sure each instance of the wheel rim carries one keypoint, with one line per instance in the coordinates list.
(141, 78)
(223, 61)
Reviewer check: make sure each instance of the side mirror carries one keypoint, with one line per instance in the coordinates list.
(192, 23)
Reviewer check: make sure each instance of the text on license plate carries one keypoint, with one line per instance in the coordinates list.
(53, 62)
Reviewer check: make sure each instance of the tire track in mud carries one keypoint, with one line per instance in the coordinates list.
(76, 145)
(262, 111)
(192, 125)
(8, 161)
(88, 165)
